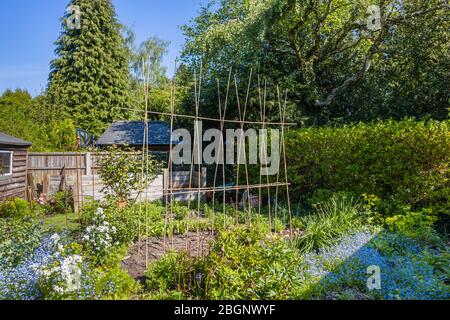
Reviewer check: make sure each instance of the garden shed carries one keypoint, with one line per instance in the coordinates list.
(13, 167)
(131, 133)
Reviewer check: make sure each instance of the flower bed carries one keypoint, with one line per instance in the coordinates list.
(405, 273)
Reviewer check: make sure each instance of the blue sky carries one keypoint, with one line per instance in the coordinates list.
(28, 29)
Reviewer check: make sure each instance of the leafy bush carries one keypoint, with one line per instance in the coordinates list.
(62, 133)
(112, 283)
(15, 208)
(99, 238)
(18, 239)
(416, 225)
(125, 222)
(69, 275)
(34, 120)
(170, 273)
(22, 117)
(121, 172)
(400, 218)
(407, 160)
(242, 264)
(61, 203)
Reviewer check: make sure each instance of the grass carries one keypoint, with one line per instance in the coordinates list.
(61, 222)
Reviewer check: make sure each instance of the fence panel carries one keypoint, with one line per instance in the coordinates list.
(50, 172)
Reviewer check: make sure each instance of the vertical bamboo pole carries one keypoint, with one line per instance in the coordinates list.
(283, 150)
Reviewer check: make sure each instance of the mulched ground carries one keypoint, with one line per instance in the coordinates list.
(195, 244)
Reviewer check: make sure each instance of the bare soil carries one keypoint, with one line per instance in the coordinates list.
(193, 243)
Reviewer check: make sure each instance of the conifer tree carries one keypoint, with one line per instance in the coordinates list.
(89, 80)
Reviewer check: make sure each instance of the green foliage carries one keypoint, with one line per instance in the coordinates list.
(18, 240)
(121, 172)
(113, 283)
(409, 83)
(169, 273)
(416, 225)
(318, 51)
(242, 264)
(439, 262)
(422, 224)
(73, 277)
(15, 208)
(125, 222)
(90, 80)
(32, 120)
(150, 51)
(153, 49)
(61, 203)
(63, 134)
(19, 117)
(180, 212)
(331, 219)
(407, 160)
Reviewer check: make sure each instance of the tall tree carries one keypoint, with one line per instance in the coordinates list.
(152, 52)
(90, 79)
(29, 119)
(322, 51)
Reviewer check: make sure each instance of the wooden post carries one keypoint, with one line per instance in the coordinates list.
(30, 185)
(88, 163)
(45, 183)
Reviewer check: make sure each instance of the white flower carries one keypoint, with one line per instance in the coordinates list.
(55, 238)
(58, 289)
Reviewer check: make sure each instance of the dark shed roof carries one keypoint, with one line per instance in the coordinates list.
(7, 140)
(132, 133)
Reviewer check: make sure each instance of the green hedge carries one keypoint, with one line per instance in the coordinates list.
(407, 160)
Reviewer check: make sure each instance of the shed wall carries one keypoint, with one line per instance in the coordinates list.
(15, 186)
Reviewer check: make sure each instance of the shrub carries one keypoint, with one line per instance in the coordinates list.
(89, 210)
(242, 264)
(400, 218)
(62, 133)
(407, 160)
(99, 238)
(69, 275)
(416, 225)
(121, 172)
(125, 222)
(111, 283)
(172, 272)
(18, 239)
(15, 208)
(61, 203)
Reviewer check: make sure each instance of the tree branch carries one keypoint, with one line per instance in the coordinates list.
(373, 49)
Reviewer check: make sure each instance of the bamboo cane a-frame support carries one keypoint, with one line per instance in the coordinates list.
(169, 191)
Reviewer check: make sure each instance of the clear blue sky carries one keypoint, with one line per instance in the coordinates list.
(28, 29)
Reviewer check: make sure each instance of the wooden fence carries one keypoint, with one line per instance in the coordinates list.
(50, 172)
